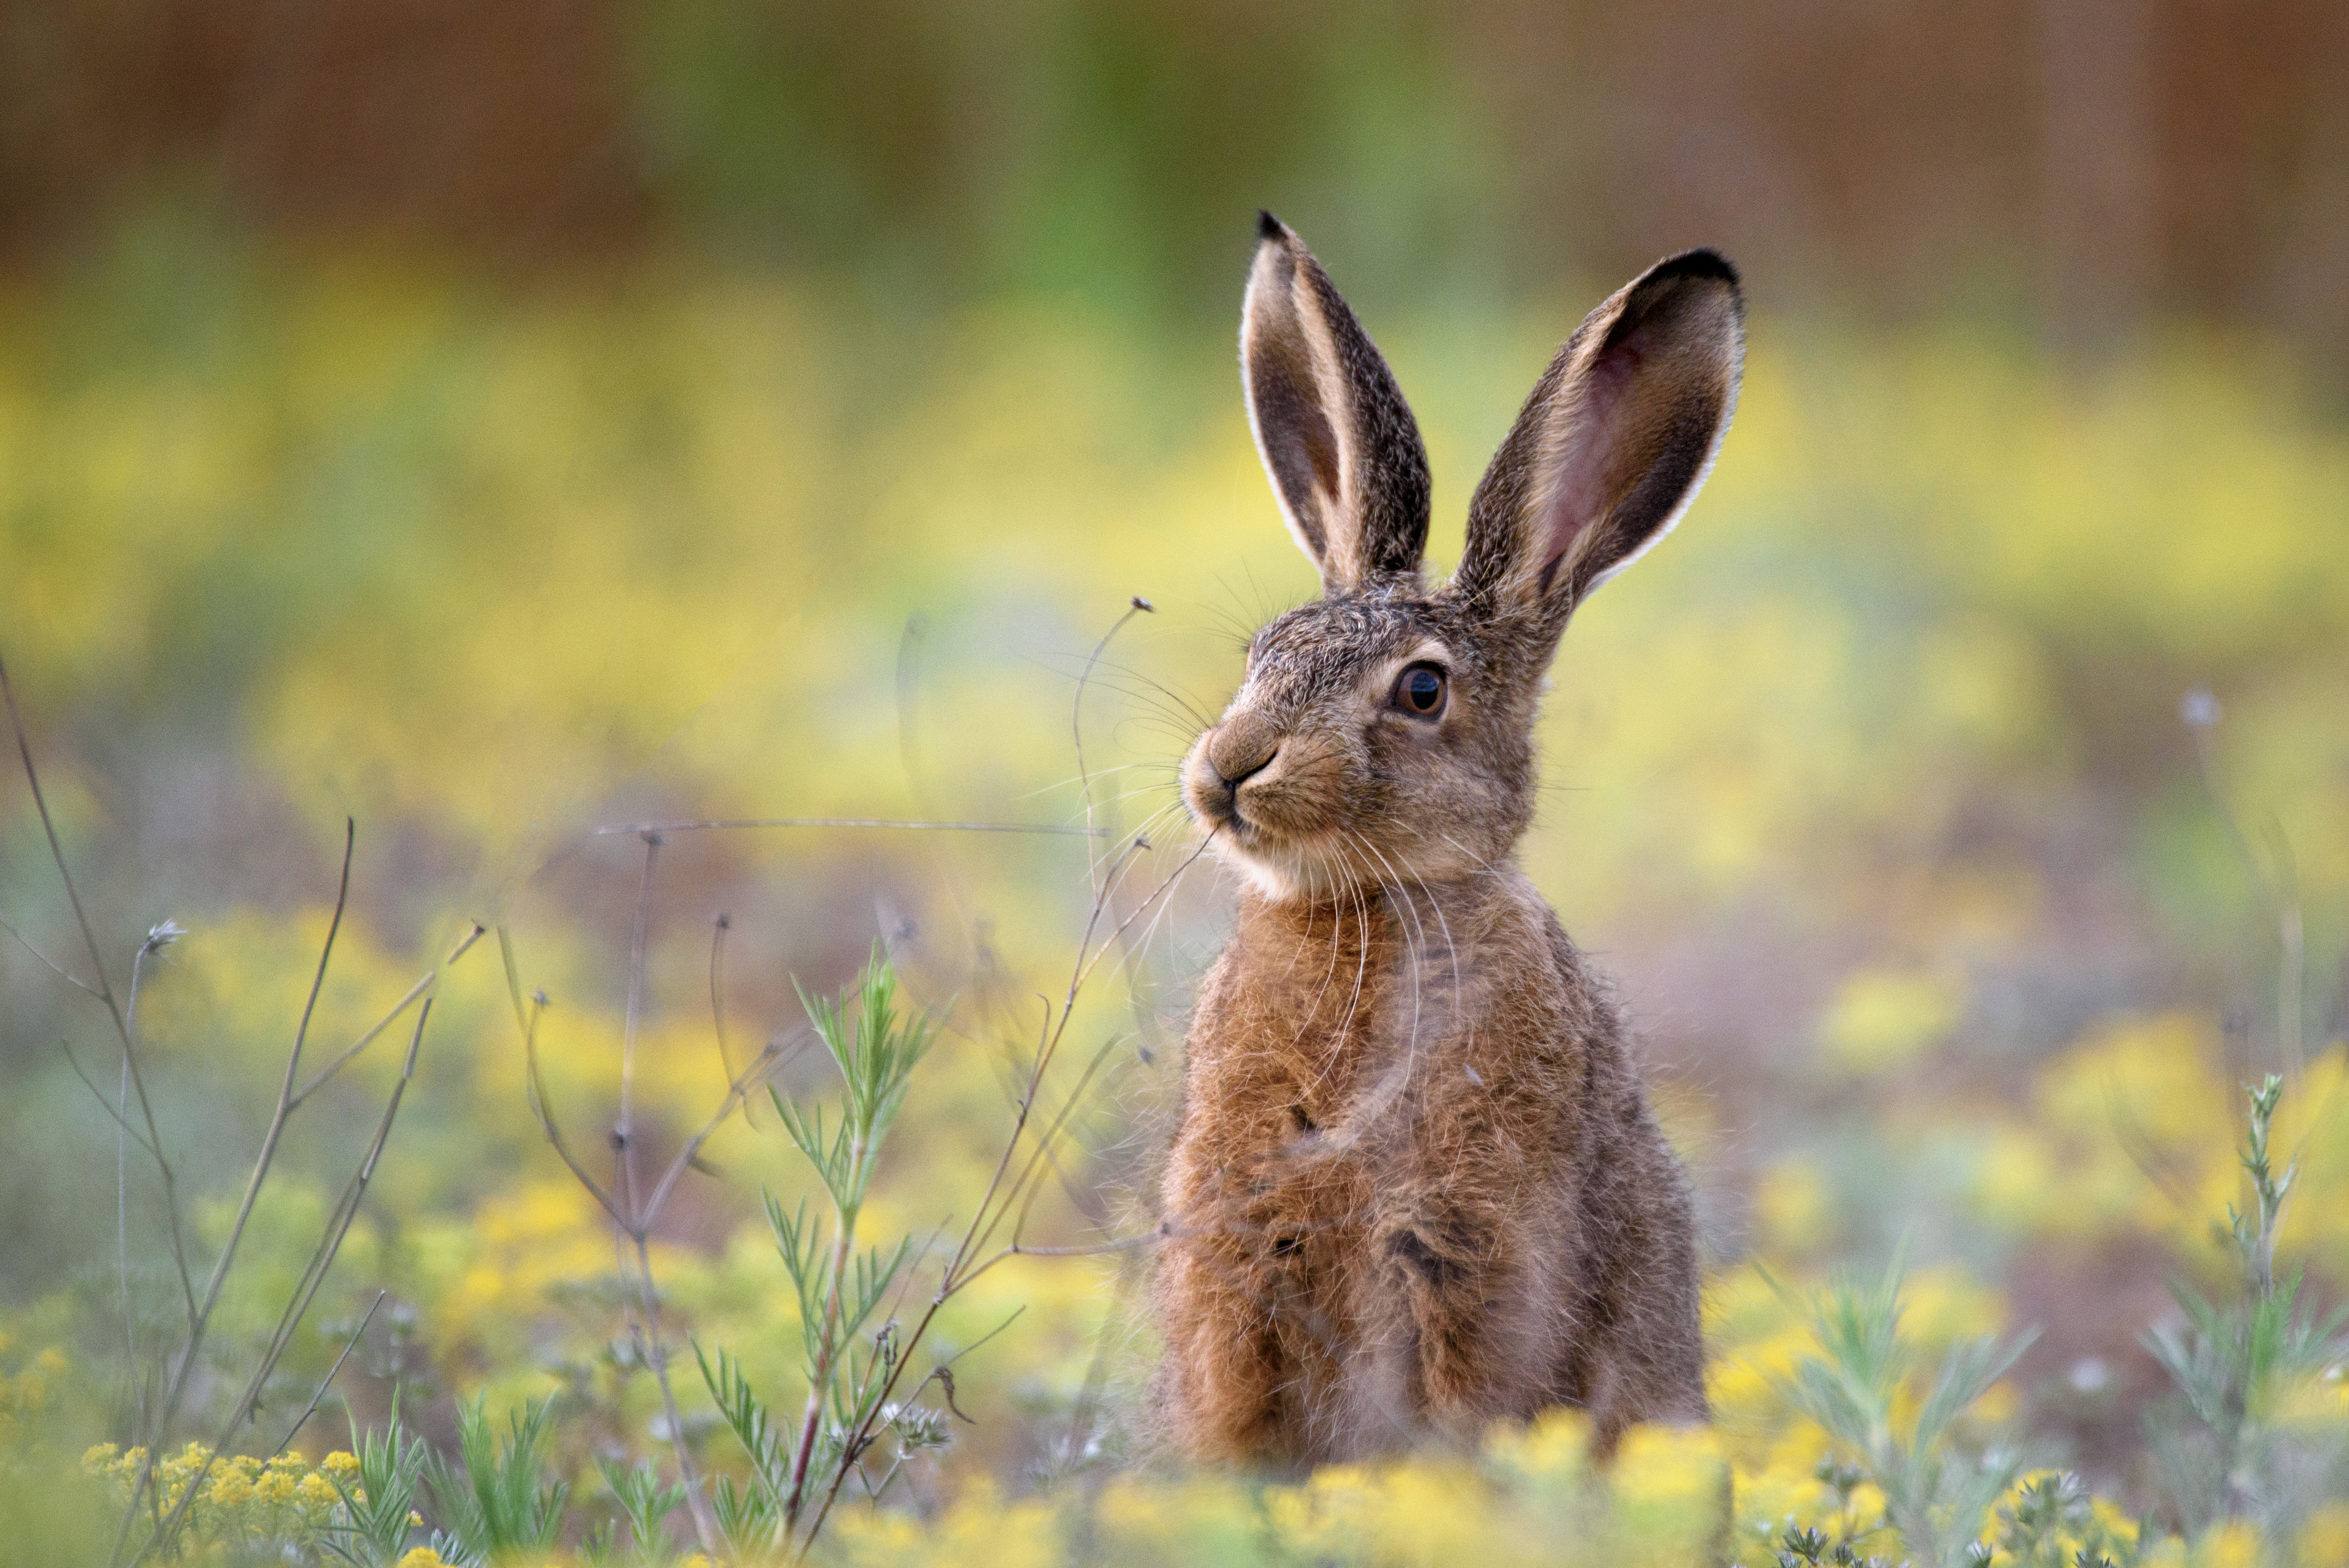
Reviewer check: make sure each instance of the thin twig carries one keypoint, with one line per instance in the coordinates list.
(2292, 940)
(424, 982)
(1047, 1141)
(99, 1094)
(637, 1224)
(2280, 893)
(313, 1275)
(305, 1290)
(624, 1151)
(535, 1082)
(655, 1353)
(54, 967)
(177, 1389)
(328, 1382)
(1077, 720)
(737, 1094)
(1081, 1250)
(158, 938)
(105, 994)
(615, 828)
(718, 930)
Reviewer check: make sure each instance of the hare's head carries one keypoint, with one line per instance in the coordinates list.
(1384, 730)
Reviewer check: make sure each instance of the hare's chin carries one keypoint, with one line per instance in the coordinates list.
(1280, 872)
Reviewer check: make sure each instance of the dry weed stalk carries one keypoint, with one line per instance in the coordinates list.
(636, 1214)
(154, 1423)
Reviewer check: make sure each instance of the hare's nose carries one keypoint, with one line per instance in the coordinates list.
(1246, 773)
(1233, 770)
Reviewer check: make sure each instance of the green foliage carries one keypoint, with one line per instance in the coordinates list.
(378, 1497)
(2053, 1522)
(2240, 1362)
(496, 1502)
(644, 1502)
(848, 1372)
(1935, 1494)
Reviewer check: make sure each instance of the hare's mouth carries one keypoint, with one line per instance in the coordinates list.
(1281, 865)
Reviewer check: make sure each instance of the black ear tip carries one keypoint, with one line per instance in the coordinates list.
(1702, 263)
(1269, 227)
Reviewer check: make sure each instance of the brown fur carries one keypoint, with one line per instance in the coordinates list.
(1417, 1186)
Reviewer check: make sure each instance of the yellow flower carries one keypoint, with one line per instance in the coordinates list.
(100, 1457)
(2234, 1545)
(422, 1557)
(2325, 1539)
(340, 1463)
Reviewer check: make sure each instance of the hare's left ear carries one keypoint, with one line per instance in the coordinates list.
(1614, 443)
(1337, 438)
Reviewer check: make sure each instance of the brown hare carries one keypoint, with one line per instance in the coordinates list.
(1417, 1186)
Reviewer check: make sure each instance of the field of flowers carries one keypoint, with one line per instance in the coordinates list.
(1961, 796)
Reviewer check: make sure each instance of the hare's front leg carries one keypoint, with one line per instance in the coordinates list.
(1444, 1264)
(1226, 1366)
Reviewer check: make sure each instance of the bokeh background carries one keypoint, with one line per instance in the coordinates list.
(490, 422)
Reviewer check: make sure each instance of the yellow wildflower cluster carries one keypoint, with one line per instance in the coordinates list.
(27, 1386)
(279, 1500)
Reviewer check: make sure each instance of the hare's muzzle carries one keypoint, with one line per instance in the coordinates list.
(1227, 757)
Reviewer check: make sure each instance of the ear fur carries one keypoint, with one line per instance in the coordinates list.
(1337, 438)
(1613, 444)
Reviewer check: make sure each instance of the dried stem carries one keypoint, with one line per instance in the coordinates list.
(99, 1095)
(104, 993)
(1077, 722)
(615, 828)
(656, 1355)
(718, 930)
(178, 1388)
(337, 1226)
(535, 1082)
(51, 964)
(624, 1153)
(328, 1380)
(305, 1289)
(636, 1223)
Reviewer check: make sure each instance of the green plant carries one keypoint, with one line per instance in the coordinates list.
(1933, 1495)
(841, 1287)
(838, 1294)
(2239, 1361)
(1810, 1547)
(497, 1501)
(644, 1503)
(2053, 1523)
(378, 1499)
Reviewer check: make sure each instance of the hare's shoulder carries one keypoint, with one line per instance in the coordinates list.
(1537, 987)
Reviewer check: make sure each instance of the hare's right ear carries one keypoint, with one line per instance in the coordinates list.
(1613, 444)
(1337, 438)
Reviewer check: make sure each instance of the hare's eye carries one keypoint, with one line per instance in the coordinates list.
(1418, 690)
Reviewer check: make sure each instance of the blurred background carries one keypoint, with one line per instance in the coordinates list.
(488, 422)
